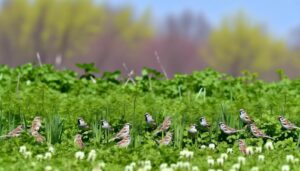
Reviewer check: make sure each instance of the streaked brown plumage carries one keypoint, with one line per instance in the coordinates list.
(226, 129)
(125, 131)
(38, 137)
(36, 124)
(164, 126)
(124, 142)
(245, 117)
(258, 133)
(242, 146)
(14, 133)
(78, 141)
(166, 140)
(286, 123)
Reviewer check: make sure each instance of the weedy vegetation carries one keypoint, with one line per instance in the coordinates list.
(61, 96)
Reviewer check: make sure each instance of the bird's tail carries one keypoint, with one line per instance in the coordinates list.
(5, 136)
(269, 137)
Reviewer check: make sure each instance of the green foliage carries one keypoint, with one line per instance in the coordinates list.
(241, 44)
(60, 97)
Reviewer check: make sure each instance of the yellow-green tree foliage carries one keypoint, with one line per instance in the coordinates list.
(60, 27)
(237, 44)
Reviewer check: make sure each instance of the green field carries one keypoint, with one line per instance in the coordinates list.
(60, 97)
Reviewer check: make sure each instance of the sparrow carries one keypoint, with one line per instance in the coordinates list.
(245, 117)
(226, 129)
(82, 124)
(286, 123)
(38, 137)
(124, 142)
(124, 132)
(166, 140)
(106, 125)
(242, 146)
(15, 133)
(164, 126)
(204, 123)
(149, 119)
(36, 124)
(258, 133)
(193, 130)
(78, 141)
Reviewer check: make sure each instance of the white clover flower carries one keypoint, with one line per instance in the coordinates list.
(128, 168)
(167, 169)
(269, 145)
(211, 146)
(290, 158)
(48, 155)
(229, 150)
(180, 164)
(249, 150)
(79, 155)
(39, 157)
(51, 149)
(92, 156)
(195, 168)
(22, 149)
(241, 159)
(258, 149)
(285, 168)
(255, 168)
(261, 157)
(174, 166)
(219, 170)
(101, 164)
(27, 154)
(203, 147)
(296, 160)
(147, 163)
(133, 164)
(224, 156)
(48, 168)
(220, 161)
(186, 165)
(236, 166)
(210, 162)
(147, 167)
(163, 166)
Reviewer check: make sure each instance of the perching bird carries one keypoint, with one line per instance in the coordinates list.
(226, 129)
(286, 123)
(258, 133)
(242, 146)
(149, 120)
(36, 124)
(124, 132)
(204, 123)
(245, 117)
(82, 124)
(78, 141)
(38, 137)
(15, 133)
(166, 140)
(164, 126)
(106, 125)
(124, 142)
(193, 130)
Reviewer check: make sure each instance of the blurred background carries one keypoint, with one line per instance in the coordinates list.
(259, 36)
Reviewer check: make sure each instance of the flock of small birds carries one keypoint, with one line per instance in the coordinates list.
(123, 136)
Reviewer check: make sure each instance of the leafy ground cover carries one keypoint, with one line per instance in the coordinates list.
(60, 97)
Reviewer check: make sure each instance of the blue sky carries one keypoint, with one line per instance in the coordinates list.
(280, 17)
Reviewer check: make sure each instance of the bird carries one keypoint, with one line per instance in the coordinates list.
(82, 124)
(286, 123)
(242, 146)
(106, 125)
(149, 119)
(36, 124)
(193, 130)
(124, 132)
(164, 126)
(166, 140)
(38, 137)
(204, 123)
(15, 133)
(258, 133)
(245, 117)
(78, 141)
(124, 142)
(226, 129)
